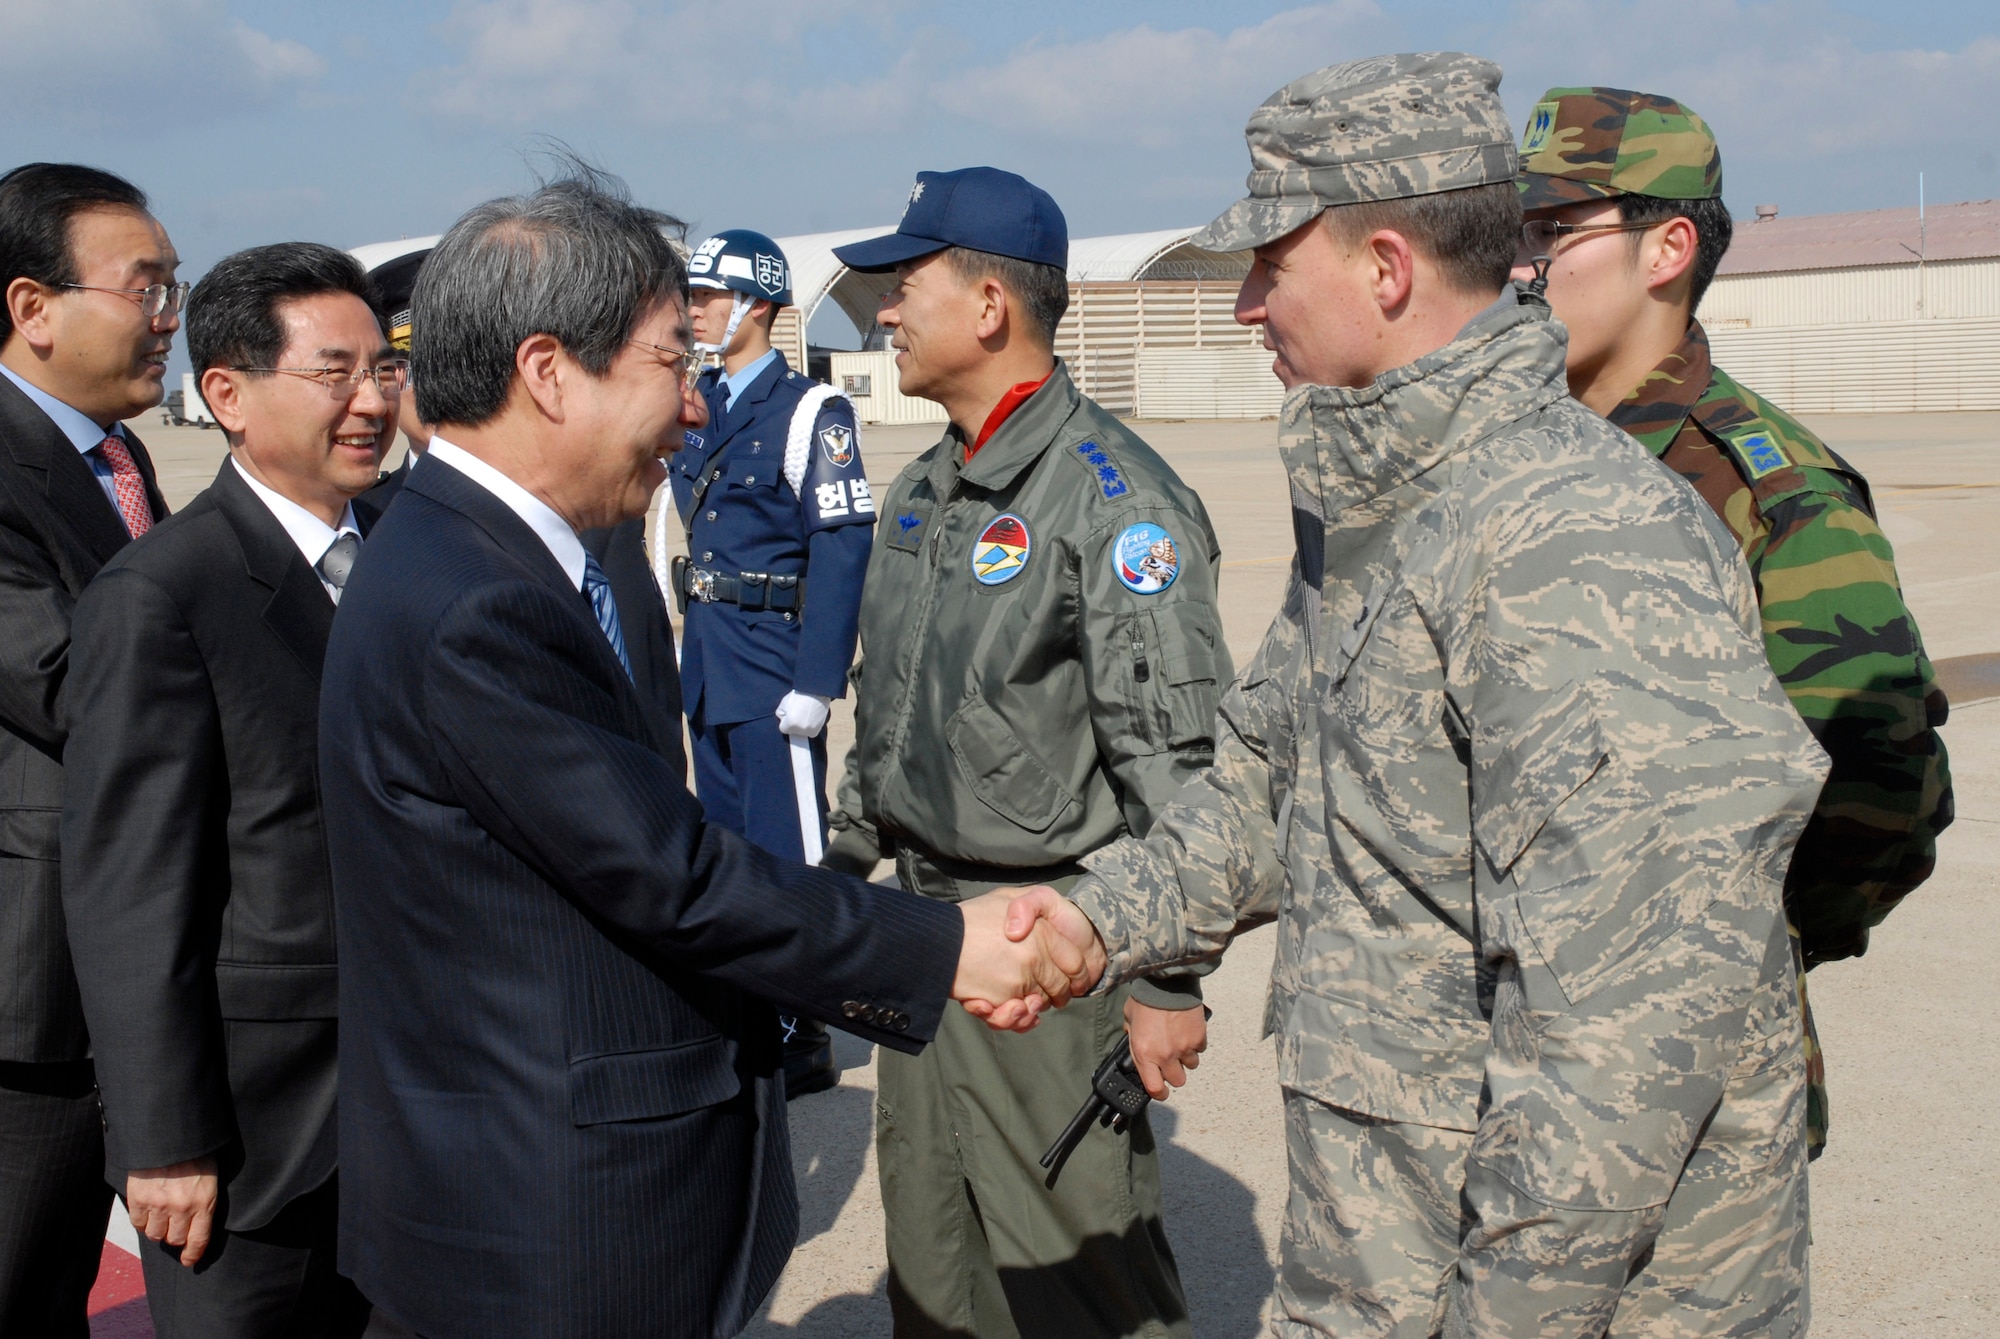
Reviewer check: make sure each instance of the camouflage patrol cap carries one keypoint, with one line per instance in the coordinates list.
(1593, 143)
(1383, 128)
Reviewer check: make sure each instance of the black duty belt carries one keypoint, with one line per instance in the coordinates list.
(781, 592)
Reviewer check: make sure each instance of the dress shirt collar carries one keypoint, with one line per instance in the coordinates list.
(312, 535)
(76, 425)
(554, 531)
(735, 383)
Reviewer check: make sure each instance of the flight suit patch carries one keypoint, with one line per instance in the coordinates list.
(1001, 552)
(1144, 558)
(906, 528)
(1109, 481)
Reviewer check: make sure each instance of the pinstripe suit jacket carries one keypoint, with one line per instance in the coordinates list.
(560, 1106)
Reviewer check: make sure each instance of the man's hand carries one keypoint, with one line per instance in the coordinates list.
(1017, 962)
(1166, 1043)
(803, 715)
(176, 1205)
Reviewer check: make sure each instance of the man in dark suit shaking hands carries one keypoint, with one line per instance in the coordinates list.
(561, 1103)
(90, 309)
(195, 875)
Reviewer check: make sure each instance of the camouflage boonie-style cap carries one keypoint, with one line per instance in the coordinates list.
(1383, 128)
(1593, 143)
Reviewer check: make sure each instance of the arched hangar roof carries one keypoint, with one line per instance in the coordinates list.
(1122, 258)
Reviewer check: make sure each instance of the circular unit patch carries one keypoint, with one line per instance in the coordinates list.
(1145, 559)
(1001, 551)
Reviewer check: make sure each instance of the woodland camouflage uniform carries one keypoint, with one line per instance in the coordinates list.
(1514, 777)
(1843, 644)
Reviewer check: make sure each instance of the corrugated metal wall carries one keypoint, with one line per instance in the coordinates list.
(1880, 368)
(788, 336)
(1945, 290)
(1206, 383)
(1110, 326)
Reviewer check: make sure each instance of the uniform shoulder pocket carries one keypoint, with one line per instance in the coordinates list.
(1000, 770)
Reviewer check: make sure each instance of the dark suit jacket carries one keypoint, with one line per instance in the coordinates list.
(194, 862)
(560, 1103)
(56, 529)
(642, 610)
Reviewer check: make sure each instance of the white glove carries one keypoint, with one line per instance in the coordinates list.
(803, 714)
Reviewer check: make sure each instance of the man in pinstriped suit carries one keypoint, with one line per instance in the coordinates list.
(561, 1105)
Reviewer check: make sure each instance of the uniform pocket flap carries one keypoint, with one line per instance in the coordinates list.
(1425, 1069)
(1516, 789)
(1188, 641)
(277, 992)
(1001, 771)
(645, 1085)
(34, 833)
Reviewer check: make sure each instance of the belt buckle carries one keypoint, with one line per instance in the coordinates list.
(701, 585)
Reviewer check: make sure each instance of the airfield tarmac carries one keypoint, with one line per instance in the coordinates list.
(1901, 1243)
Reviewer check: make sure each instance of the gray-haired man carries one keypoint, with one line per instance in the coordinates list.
(1510, 770)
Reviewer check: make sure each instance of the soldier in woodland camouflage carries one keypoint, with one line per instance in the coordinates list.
(1512, 774)
(1597, 161)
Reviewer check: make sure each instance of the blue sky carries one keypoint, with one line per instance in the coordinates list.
(372, 120)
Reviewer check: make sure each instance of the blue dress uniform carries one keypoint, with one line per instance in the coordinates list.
(773, 589)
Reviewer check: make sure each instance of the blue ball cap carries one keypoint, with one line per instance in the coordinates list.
(982, 208)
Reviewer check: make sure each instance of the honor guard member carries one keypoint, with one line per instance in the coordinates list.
(1623, 200)
(1509, 770)
(1041, 655)
(777, 511)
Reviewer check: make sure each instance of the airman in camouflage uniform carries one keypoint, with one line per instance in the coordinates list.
(1836, 630)
(1514, 777)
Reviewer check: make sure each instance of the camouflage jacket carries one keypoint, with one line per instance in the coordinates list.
(1512, 774)
(1843, 644)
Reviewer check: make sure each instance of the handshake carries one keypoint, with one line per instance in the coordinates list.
(1025, 950)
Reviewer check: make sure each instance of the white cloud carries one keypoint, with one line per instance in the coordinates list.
(161, 59)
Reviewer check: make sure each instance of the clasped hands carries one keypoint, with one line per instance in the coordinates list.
(1025, 950)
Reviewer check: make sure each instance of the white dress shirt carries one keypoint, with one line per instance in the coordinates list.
(84, 434)
(312, 535)
(551, 528)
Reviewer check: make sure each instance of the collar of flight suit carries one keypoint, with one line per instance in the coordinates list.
(1346, 446)
(1023, 438)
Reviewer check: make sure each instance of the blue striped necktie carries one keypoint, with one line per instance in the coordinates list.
(597, 587)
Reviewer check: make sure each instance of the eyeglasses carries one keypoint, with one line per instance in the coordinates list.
(390, 378)
(154, 299)
(687, 360)
(1541, 234)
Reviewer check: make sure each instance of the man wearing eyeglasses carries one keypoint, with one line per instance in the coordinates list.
(1623, 198)
(197, 884)
(90, 310)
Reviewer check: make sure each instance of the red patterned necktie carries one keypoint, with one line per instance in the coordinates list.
(128, 484)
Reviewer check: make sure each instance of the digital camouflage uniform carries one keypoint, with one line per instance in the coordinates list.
(1512, 774)
(1039, 675)
(1837, 632)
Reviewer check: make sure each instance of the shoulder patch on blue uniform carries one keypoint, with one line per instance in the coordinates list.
(1109, 481)
(1001, 552)
(837, 440)
(1762, 454)
(1145, 559)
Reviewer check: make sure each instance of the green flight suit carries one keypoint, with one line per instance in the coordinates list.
(1041, 659)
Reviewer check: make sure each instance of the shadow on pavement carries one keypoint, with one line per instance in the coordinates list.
(1212, 1223)
(831, 1132)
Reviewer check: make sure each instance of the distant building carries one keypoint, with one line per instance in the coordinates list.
(1151, 331)
(1866, 312)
